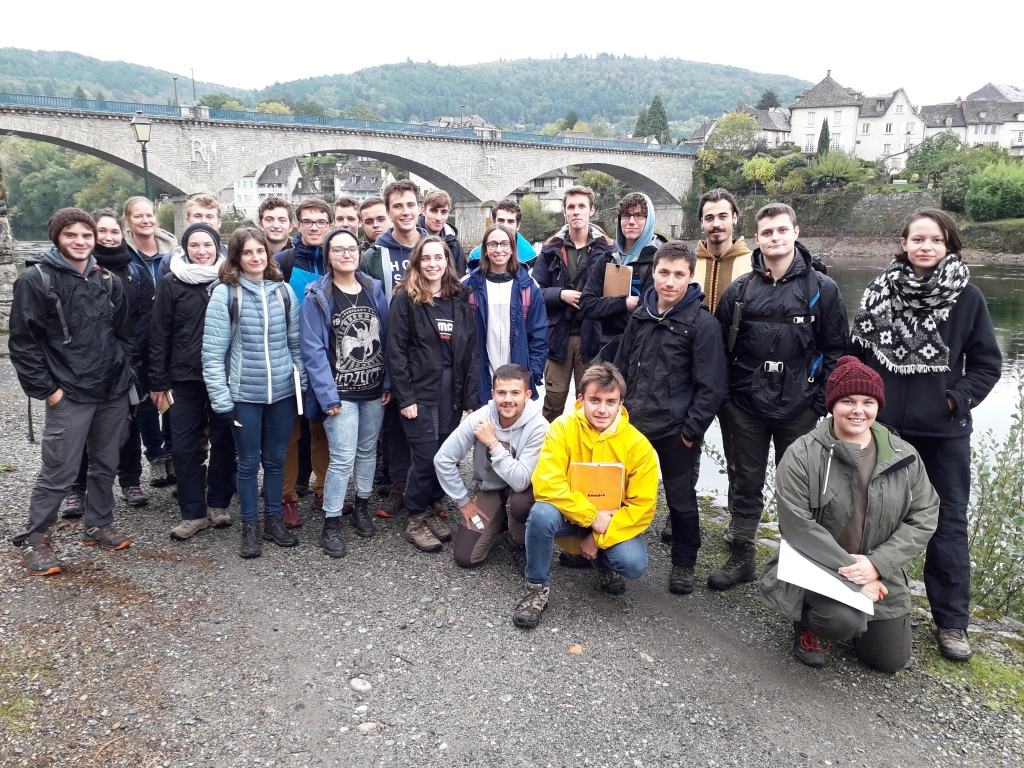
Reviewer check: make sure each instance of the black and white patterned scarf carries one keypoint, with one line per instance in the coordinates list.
(899, 315)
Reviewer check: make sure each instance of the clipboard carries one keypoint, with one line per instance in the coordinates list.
(618, 279)
(603, 484)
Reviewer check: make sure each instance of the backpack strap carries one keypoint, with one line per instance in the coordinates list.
(287, 263)
(47, 284)
(385, 265)
(525, 293)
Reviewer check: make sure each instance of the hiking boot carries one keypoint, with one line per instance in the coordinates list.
(740, 566)
(158, 477)
(290, 512)
(680, 580)
(395, 502)
(610, 582)
(666, 532)
(528, 610)
(569, 560)
(330, 537)
(381, 483)
(418, 532)
(348, 508)
(953, 644)
(73, 506)
(439, 509)
(318, 502)
(219, 518)
(38, 555)
(251, 546)
(808, 647)
(106, 537)
(518, 551)
(438, 525)
(186, 529)
(134, 497)
(169, 468)
(362, 520)
(275, 531)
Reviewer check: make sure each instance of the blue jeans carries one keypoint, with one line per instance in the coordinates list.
(545, 524)
(352, 437)
(155, 436)
(262, 438)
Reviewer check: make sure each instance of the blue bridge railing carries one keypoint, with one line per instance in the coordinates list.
(160, 110)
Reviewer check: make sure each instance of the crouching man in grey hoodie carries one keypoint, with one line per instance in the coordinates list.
(506, 436)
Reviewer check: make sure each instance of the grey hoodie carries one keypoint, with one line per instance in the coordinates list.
(498, 468)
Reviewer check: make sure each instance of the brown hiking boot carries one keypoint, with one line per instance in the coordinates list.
(105, 537)
(953, 643)
(418, 532)
(438, 525)
(394, 503)
(741, 566)
(38, 555)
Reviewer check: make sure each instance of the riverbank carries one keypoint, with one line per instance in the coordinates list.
(882, 249)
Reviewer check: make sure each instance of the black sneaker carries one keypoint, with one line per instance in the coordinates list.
(275, 531)
(330, 537)
(251, 546)
(169, 465)
(134, 497)
(73, 506)
(610, 582)
(362, 520)
(158, 473)
(666, 532)
(808, 647)
(680, 581)
(105, 537)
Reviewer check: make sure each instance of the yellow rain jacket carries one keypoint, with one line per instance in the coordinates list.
(570, 439)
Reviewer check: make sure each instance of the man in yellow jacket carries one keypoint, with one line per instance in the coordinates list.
(598, 431)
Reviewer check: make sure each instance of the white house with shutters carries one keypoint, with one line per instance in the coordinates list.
(993, 114)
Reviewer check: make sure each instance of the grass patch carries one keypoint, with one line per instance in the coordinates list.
(992, 682)
(6, 466)
(21, 685)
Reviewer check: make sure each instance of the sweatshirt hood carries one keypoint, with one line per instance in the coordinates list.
(693, 294)
(530, 412)
(52, 257)
(164, 240)
(801, 262)
(643, 241)
(387, 240)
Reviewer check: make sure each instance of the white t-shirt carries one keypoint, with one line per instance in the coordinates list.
(499, 325)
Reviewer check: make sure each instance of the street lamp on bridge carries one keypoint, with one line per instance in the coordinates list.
(142, 127)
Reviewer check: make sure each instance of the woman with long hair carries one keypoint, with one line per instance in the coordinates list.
(254, 373)
(344, 318)
(925, 328)
(511, 320)
(435, 372)
(176, 382)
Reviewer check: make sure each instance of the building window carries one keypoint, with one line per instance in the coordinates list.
(879, 105)
(897, 163)
(809, 142)
(837, 117)
(865, 129)
(977, 129)
(1020, 137)
(911, 128)
(888, 127)
(836, 143)
(810, 119)
(887, 149)
(899, 109)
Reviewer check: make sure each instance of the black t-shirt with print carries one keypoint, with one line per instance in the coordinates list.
(359, 355)
(442, 312)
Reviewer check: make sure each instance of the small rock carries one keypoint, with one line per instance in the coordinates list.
(648, 659)
(506, 698)
(365, 728)
(359, 685)
(426, 599)
(361, 709)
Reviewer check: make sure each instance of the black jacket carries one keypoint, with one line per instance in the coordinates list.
(93, 363)
(674, 366)
(552, 275)
(139, 291)
(414, 353)
(611, 310)
(798, 321)
(916, 404)
(176, 336)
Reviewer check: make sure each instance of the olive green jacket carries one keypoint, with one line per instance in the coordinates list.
(814, 489)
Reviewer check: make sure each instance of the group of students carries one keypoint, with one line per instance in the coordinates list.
(376, 349)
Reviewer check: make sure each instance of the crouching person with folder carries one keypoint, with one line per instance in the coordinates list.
(854, 499)
(595, 486)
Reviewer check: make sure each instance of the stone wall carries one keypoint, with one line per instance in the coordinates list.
(884, 213)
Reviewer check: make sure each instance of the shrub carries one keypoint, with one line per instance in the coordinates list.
(996, 193)
(835, 169)
(796, 181)
(790, 162)
(954, 187)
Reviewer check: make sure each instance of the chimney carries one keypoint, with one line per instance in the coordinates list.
(959, 102)
(829, 74)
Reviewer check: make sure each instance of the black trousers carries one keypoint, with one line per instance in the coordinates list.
(395, 444)
(424, 435)
(677, 462)
(747, 457)
(882, 644)
(199, 486)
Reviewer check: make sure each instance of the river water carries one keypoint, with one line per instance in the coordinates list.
(1002, 284)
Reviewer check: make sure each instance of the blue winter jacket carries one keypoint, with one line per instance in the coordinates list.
(529, 341)
(263, 352)
(317, 337)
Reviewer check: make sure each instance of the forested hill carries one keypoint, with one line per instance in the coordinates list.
(529, 92)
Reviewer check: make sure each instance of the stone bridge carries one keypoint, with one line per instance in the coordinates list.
(196, 149)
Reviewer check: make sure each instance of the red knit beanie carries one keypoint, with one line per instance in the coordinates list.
(852, 377)
(65, 217)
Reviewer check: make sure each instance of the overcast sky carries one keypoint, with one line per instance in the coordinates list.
(871, 46)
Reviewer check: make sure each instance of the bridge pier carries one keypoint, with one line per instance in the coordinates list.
(669, 220)
(179, 215)
(471, 220)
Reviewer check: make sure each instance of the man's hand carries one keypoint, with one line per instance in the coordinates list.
(572, 298)
(485, 431)
(589, 547)
(157, 398)
(409, 411)
(687, 443)
(632, 302)
(861, 572)
(333, 411)
(600, 524)
(55, 398)
(875, 590)
(385, 398)
(469, 510)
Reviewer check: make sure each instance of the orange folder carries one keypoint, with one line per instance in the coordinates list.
(602, 483)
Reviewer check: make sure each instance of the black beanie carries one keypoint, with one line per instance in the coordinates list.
(65, 217)
(200, 228)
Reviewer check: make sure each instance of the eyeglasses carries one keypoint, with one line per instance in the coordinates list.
(494, 245)
(634, 216)
(318, 223)
(347, 250)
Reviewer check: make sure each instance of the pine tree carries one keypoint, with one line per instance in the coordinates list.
(571, 119)
(824, 138)
(769, 100)
(657, 121)
(642, 127)
(79, 93)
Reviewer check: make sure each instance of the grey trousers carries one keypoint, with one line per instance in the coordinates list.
(70, 428)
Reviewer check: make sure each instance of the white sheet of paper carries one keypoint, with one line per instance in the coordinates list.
(794, 568)
(297, 378)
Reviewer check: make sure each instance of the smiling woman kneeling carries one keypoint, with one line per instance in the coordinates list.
(854, 498)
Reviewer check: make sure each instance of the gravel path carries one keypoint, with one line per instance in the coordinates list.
(170, 654)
